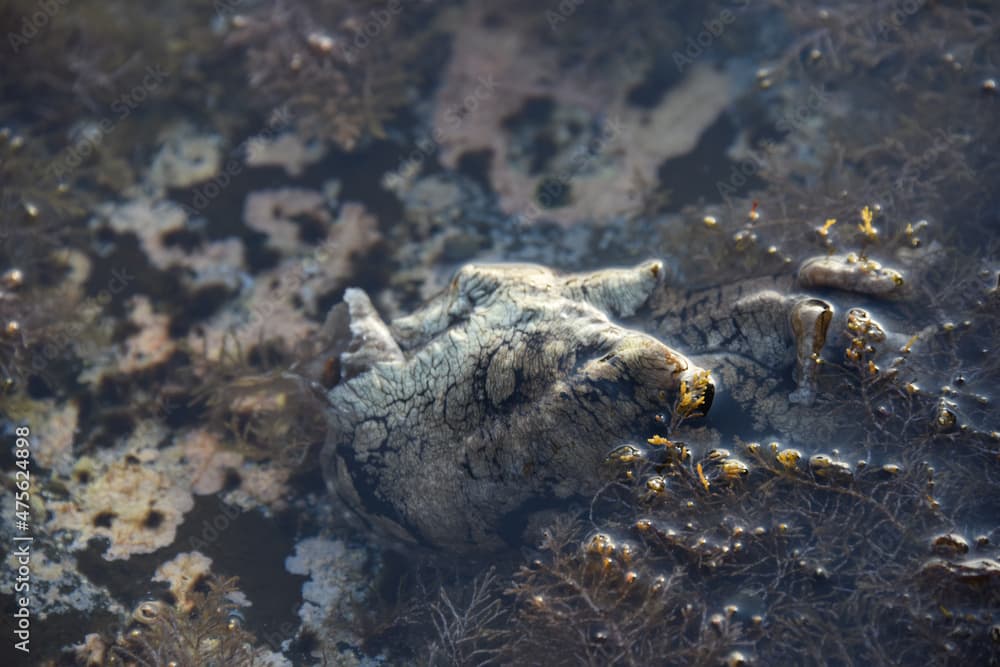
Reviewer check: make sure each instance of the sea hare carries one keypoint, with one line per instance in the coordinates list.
(501, 396)
(498, 397)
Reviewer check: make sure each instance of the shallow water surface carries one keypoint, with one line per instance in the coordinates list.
(188, 192)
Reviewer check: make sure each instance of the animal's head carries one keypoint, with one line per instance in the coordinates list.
(614, 384)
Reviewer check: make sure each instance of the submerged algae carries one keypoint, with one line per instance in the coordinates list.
(805, 588)
(504, 392)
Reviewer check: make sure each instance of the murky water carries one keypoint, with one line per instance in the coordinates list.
(187, 190)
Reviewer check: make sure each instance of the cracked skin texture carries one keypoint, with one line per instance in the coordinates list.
(502, 391)
(750, 332)
(505, 393)
(744, 334)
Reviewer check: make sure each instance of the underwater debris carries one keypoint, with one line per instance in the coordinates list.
(287, 150)
(130, 501)
(185, 159)
(41, 273)
(282, 215)
(338, 591)
(497, 71)
(211, 463)
(150, 346)
(153, 222)
(274, 417)
(183, 573)
(341, 69)
(469, 629)
(208, 632)
(866, 224)
(281, 303)
(57, 426)
(59, 588)
(598, 607)
(752, 548)
(824, 229)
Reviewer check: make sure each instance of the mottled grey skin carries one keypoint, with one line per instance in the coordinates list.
(505, 389)
(749, 333)
(509, 389)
